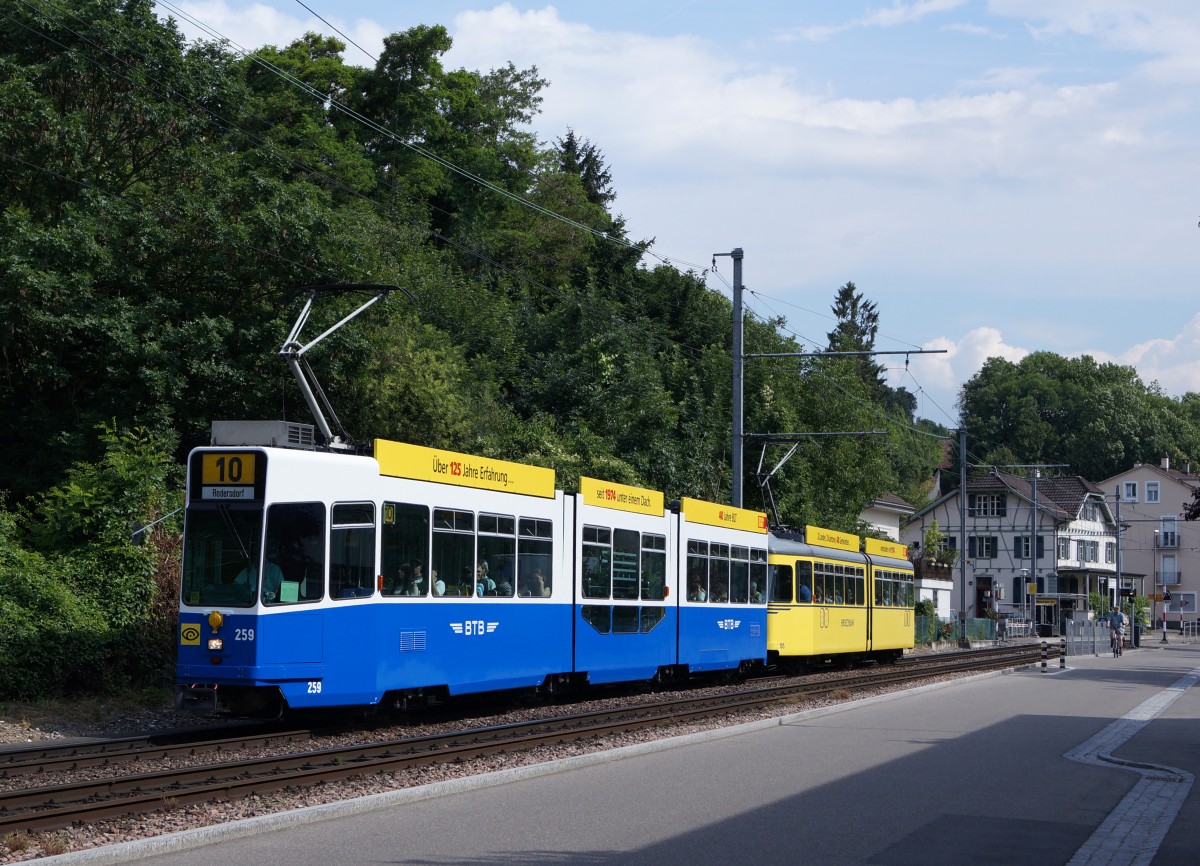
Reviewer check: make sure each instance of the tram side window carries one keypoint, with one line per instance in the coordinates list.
(598, 616)
(758, 575)
(739, 575)
(697, 570)
(823, 580)
(781, 583)
(405, 543)
(352, 551)
(718, 573)
(654, 568)
(626, 550)
(497, 553)
(839, 584)
(597, 562)
(625, 619)
(652, 615)
(535, 549)
(804, 582)
(296, 544)
(854, 584)
(453, 555)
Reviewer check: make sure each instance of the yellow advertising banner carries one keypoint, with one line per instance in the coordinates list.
(712, 514)
(401, 460)
(831, 538)
(878, 547)
(622, 497)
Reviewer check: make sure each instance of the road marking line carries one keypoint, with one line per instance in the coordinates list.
(1134, 830)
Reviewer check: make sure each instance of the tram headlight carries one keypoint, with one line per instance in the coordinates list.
(216, 644)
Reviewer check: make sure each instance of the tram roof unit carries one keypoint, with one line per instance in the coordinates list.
(266, 434)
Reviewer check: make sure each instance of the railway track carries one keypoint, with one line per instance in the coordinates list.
(120, 793)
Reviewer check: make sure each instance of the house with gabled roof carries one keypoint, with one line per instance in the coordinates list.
(1157, 542)
(1033, 548)
(885, 514)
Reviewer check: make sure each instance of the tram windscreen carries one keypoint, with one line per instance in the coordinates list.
(221, 547)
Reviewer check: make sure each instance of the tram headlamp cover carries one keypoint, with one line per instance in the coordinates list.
(215, 620)
(216, 644)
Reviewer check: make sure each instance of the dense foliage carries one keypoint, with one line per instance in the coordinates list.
(160, 203)
(1096, 420)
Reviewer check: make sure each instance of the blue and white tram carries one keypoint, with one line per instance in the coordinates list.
(420, 573)
(626, 619)
(723, 587)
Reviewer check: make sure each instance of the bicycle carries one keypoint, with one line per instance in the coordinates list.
(1117, 641)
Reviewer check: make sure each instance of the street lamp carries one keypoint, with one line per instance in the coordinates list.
(1026, 593)
(1158, 587)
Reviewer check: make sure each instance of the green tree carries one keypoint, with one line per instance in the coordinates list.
(857, 326)
(1097, 418)
(584, 160)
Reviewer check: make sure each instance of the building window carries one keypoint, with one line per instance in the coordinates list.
(982, 547)
(1167, 536)
(1152, 491)
(1129, 491)
(1110, 551)
(1169, 573)
(986, 505)
(1021, 547)
(1064, 548)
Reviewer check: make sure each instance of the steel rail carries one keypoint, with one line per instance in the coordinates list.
(56, 806)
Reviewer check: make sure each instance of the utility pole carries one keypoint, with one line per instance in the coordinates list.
(739, 360)
(962, 539)
(738, 374)
(738, 378)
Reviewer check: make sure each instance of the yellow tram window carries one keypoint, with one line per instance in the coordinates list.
(781, 583)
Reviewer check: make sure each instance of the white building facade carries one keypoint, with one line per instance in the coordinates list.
(1029, 548)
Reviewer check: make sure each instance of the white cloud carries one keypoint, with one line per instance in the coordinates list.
(941, 376)
(250, 27)
(246, 27)
(897, 14)
(972, 30)
(681, 104)
(1173, 362)
(1165, 30)
(906, 13)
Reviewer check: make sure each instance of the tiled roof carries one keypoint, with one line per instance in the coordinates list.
(891, 501)
(1060, 496)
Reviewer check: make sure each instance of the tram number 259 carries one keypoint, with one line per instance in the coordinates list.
(314, 687)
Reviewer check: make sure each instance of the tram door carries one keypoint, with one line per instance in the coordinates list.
(623, 630)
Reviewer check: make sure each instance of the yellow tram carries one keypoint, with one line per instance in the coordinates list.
(829, 601)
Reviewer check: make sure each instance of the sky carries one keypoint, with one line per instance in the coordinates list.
(998, 176)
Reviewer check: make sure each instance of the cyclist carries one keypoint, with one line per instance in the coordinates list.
(1116, 625)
